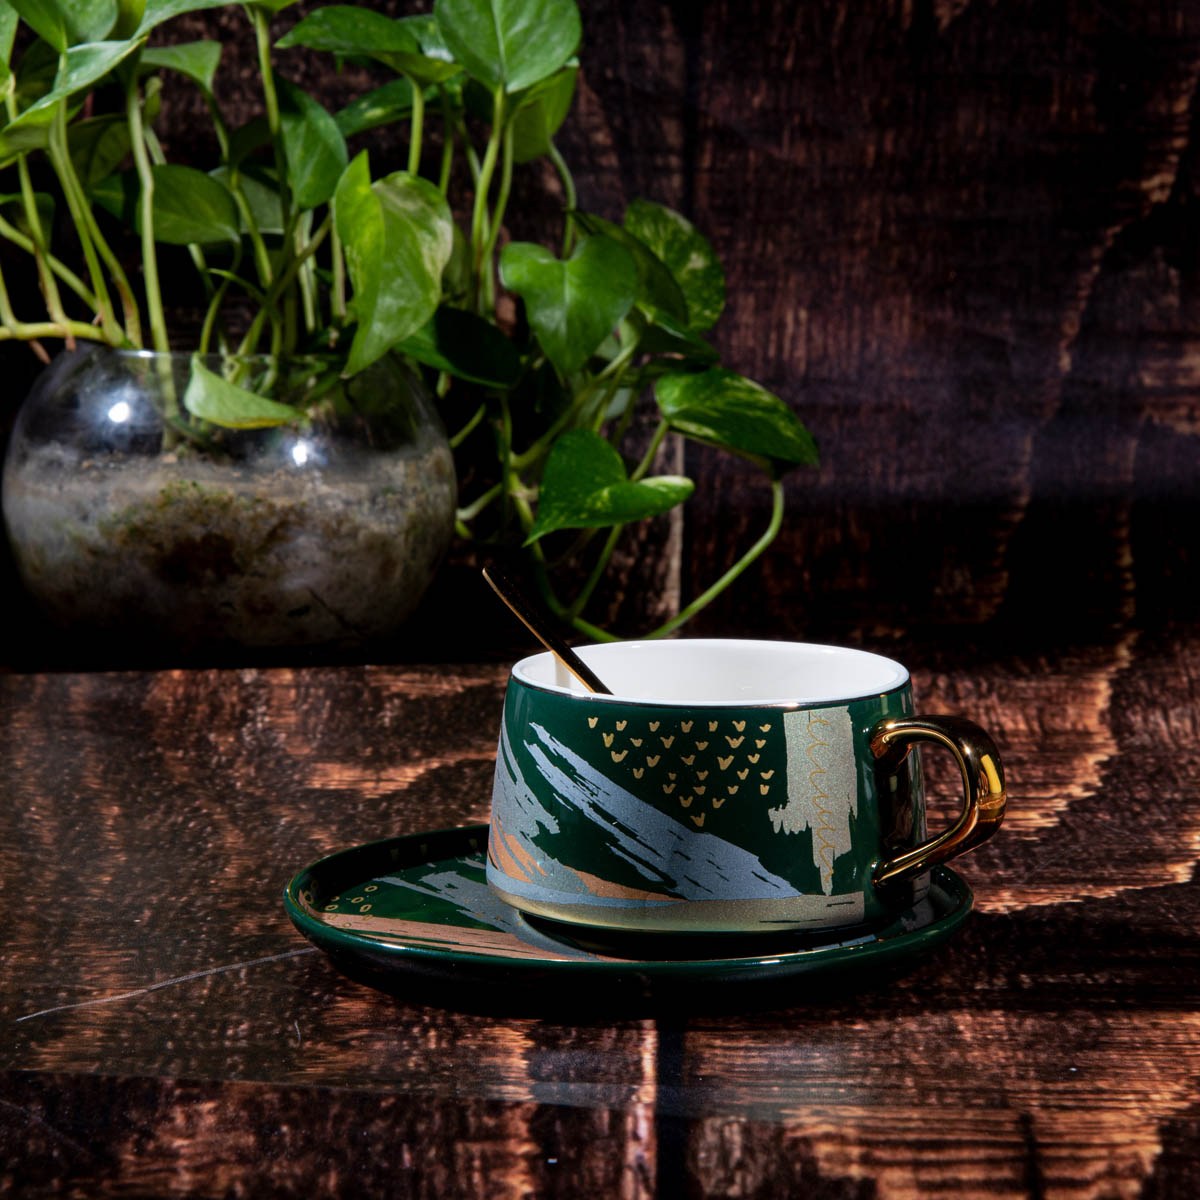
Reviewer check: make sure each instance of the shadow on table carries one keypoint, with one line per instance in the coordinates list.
(627, 996)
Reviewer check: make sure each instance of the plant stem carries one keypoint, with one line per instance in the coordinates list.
(570, 201)
(525, 515)
(416, 127)
(250, 341)
(465, 432)
(447, 141)
(339, 276)
(158, 158)
(85, 222)
(610, 543)
(479, 503)
(482, 188)
(307, 277)
(41, 250)
(262, 36)
(593, 631)
(219, 126)
(585, 593)
(717, 588)
(468, 149)
(14, 235)
(26, 332)
(557, 607)
(262, 260)
(282, 338)
(57, 153)
(571, 414)
(647, 459)
(141, 160)
(506, 455)
(11, 328)
(506, 172)
(7, 317)
(622, 427)
(214, 304)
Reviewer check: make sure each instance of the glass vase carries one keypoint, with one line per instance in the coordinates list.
(129, 514)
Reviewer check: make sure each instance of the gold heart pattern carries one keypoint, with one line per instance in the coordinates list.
(626, 744)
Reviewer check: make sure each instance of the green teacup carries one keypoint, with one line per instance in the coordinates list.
(724, 786)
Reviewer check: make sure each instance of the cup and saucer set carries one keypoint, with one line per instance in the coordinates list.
(732, 813)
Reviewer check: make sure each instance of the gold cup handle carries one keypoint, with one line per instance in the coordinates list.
(984, 796)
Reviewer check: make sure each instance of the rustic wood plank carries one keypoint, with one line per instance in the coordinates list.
(963, 250)
(152, 818)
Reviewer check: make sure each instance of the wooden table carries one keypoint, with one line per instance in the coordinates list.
(167, 1032)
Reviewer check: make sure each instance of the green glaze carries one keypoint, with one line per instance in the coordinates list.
(635, 815)
(418, 908)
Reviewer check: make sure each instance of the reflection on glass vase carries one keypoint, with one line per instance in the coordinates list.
(134, 509)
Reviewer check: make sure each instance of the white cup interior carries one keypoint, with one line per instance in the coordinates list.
(704, 671)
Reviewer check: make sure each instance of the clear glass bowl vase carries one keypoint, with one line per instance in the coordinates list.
(128, 514)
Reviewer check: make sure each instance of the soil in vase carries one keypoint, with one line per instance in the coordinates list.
(324, 533)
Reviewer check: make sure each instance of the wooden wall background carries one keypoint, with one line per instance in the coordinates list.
(961, 241)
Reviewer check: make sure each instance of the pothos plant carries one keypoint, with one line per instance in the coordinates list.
(333, 256)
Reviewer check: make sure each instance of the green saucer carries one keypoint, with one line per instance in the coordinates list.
(417, 909)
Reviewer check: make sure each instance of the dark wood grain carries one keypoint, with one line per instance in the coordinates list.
(962, 248)
(168, 1032)
(962, 244)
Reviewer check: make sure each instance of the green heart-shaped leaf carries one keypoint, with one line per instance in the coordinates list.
(584, 486)
(197, 60)
(91, 20)
(465, 346)
(436, 64)
(397, 234)
(8, 34)
(20, 137)
(258, 190)
(413, 46)
(657, 288)
(248, 138)
(687, 255)
(43, 203)
(79, 68)
(540, 112)
(728, 410)
(158, 11)
(192, 207)
(386, 104)
(46, 19)
(98, 147)
(664, 335)
(509, 43)
(345, 29)
(574, 305)
(223, 403)
(129, 17)
(118, 195)
(313, 145)
(35, 71)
